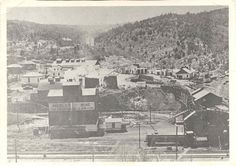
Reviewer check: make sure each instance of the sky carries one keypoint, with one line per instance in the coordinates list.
(97, 15)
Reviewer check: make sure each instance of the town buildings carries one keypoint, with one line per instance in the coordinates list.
(73, 111)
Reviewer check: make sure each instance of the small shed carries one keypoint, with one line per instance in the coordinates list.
(115, 125)
(32, 78)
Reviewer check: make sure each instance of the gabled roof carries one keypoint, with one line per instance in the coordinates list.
(196, 91)
(186, 70)
(189, 115)
(200, 94)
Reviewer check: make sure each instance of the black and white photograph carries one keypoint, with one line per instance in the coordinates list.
(118, 83)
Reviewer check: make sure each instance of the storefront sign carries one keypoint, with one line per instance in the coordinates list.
(59, 106)
(79, 106)
(76, 106)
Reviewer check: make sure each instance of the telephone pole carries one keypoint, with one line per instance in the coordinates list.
(139, 139)
(176, 142)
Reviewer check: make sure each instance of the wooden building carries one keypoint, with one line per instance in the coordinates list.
(115, 125)
(185, 73)
(32, 78)
(73, 109)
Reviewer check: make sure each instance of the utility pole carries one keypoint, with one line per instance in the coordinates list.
(150, 118)
(17, 118)
(176, 142)
(139, 140)
(15, 151)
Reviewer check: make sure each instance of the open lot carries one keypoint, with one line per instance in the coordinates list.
(111, 147)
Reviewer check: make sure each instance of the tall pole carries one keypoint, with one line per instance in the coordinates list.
(17, 119)
(150, 118)
(15, 151)
(176, 142)
(139, 140)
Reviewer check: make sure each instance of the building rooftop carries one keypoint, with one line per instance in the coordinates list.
(27, 63)
(55, 93)
(45, 85)
(110, 120)
(14, 66)
(33, 74)
(196, 91)
(71, 83)
(75, 62)
(185, 69)
(200, 94)
(222, 107)
(89, 92)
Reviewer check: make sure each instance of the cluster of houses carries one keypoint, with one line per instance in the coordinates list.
(182, 73)
(87, 72)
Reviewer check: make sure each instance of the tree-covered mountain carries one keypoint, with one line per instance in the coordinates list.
(29, 31)
(171, 40)
(34, 40)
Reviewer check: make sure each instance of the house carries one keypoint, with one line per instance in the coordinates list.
(31, 78)
(28, 65)
(206, 98)
(164, 72)
(185, 73)
(115, 125)
(57, 71)
(135, 69)
(14, 69)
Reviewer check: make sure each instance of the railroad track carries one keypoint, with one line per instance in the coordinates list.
(115, 157)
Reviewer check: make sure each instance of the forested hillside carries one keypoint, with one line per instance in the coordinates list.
(172, 40)
(29, 31)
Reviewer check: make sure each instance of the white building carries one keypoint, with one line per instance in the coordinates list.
(32, 78)
(114, 125)
(73, 63)
(185, 73)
